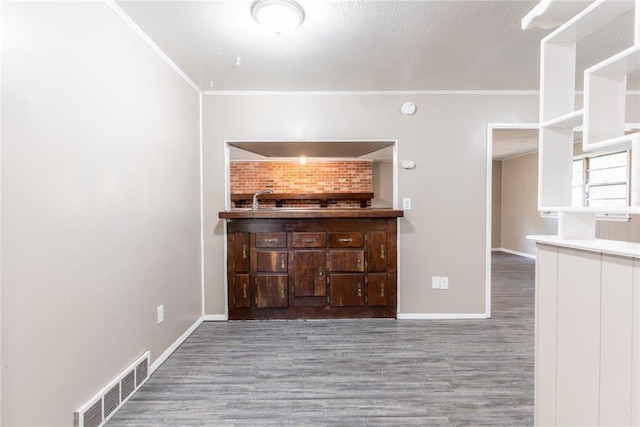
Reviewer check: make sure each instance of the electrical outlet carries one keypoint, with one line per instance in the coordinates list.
(160, 313)
(444, 283)
(406, 203)
(435, 282)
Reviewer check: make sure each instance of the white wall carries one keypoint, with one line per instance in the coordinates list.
(100, 206)
(444, 233)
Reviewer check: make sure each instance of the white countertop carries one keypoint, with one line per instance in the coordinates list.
(613, 247)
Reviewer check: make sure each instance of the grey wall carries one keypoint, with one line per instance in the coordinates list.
(447, 139)
(520, 216)
(496, 204)
(382, 184)
(100, 206)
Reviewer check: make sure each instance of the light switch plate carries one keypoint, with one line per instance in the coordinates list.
(406, 203)
(444, 283)
(160, 314)
(435, 282)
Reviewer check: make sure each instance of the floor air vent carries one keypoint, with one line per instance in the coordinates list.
(107, 401)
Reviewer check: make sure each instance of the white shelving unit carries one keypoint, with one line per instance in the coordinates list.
(602, 115)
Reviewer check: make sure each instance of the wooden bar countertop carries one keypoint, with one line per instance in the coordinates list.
(268, 213)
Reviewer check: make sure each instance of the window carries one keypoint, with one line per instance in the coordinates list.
(601, 180)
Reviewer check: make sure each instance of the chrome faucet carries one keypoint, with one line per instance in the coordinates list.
(254, 205)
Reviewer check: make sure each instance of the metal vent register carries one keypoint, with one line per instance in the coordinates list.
(97, 410)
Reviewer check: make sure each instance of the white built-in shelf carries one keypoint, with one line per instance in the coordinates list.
(613, 247)
(592, 18)
(618, 210)
(569, 120)
(604, 109)
(558, 55)
(605, 91)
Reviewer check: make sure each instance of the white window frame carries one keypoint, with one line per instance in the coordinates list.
(585, 184)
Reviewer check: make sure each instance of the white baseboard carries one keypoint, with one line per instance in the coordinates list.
(509, 251)
(173, 347)
(216, 317)
(441, 316)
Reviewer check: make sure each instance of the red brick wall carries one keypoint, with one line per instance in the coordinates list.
(317, 176)
(292, 177)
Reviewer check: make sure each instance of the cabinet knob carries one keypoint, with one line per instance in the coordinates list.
(244, 251)
(381, 289)
(381, 251)
(244, 290)
(359, 289)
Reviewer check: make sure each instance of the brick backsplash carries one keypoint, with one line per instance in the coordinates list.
(317, 176)
(291, 177)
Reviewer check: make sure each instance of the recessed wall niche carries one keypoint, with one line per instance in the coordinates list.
(334, 170)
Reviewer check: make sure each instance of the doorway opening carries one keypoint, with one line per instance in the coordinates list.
(509, 142)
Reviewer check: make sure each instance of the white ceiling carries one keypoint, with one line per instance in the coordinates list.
(514, 142)
(370, 45)
(364, 45)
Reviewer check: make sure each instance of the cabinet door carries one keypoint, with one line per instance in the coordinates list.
(346, 290)
(377, 289)
(346, 260)
(271, 261)
(239, 248)
(241, 291)
(271, 291)
(308, 273)
(377, 250)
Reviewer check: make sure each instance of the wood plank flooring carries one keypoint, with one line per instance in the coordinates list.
(374, 372)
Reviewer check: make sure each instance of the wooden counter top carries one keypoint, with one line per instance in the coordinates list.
(310, 213)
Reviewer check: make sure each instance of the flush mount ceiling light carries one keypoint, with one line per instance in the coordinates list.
(279, 17)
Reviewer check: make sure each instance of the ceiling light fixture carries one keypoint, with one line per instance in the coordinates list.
(279, 17)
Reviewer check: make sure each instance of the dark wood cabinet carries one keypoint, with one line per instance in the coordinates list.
(312, 268)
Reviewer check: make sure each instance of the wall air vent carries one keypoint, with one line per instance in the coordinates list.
(97, 410)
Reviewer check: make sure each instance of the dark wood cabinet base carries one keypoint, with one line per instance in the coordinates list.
(304, 268)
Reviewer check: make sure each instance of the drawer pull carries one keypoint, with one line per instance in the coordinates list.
(282, 260)
(309, 240)
(345, 240)
(272, 240)
(359, 261)
(244, 291)
(320, 273)
(381, 251)
(381, 289)
(282, 293)
(359, 289)
(244, 251)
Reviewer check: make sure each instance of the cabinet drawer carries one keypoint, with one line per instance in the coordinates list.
(346, 260)
(271, 240)
(272, 261)
(346, 240)
(309, 240)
